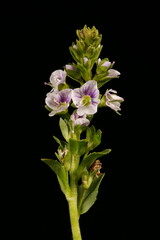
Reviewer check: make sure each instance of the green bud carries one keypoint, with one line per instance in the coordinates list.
(90, 36)
(76, 54)
(86, 179)
(81, 45)
(89, 51)
(97, 41)
(96, 52)
(85, 73)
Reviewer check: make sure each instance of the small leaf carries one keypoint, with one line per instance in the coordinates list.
(89, 160)
(64, 128)
(60, 142)
(93, 137)
(88, 197)
(77, 147)
(59, 170)
(57, 140)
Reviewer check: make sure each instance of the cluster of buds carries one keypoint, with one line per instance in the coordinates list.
(85, 52)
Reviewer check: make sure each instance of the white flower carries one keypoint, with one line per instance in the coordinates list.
(57, 77)
(112, 100)
(79, 120)
(58, 101)
(86, 98)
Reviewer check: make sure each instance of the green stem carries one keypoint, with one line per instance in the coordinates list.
(73, 210)
(73, 200)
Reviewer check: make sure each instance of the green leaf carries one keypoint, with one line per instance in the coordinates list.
(60, 142)
(59, 170)
(93, 137)
(64, 129)
(88, 197)
(77, 147)
(57, 140)
(89, 160)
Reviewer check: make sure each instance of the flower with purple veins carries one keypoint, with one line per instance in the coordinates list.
(112, 100)
(86, 98)
(58, 77)
(79, 120)
(58, 101)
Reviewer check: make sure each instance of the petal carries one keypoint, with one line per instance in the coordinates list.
(57, 77)
(117, 98)
(82, 121)
(70, 67)
(77, 96)
(90, 88)
(113, 73)
(106, 64)
(91, 109)
(52, 99)
(111, 90)
(58, 110)
(65, 95)
(115, 106)
(85, 60)
(99, 60)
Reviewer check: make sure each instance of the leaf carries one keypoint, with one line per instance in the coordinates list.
(88, 197)
(59, 170)
(60, 142)
(77, 147)
(89, 160)
(93, 137)
(64, 129)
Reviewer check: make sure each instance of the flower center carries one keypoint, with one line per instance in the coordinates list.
(86, 100)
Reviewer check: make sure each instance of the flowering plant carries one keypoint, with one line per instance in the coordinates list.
(75, 96)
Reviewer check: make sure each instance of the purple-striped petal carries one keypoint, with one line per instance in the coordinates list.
(58, 101)
(86, 98)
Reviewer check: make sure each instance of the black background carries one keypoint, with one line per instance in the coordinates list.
(36, 40)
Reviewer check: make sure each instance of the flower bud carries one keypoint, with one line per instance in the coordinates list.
(90, 36)
(86, 179)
